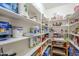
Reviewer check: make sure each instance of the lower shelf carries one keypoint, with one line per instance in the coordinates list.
(57, 51)
(58, 46)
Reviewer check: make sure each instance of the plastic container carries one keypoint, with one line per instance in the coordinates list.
(15, 7)
(76, 52)
(5, 30)
(6, 5)
(36, 29)
(31, 43)
(4, 27)
(46, 53)
(17, 32)
(10, 6)
(70, 50)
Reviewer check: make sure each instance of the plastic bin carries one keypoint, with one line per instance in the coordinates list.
(10, 6)
(76, 52)
(46, 53)
(70, 50)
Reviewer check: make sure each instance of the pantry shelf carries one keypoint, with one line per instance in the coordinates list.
(38, 34)
(56, 51)
(59, 20)
(10, 14)
(73, 44)
(74, 34)
(59, 39)
(66, 25)
(74, 23)
(32, 50)
(34, 35)
(44, 49)
(58, 46)
(11, 40)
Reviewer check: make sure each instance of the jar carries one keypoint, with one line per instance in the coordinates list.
(18, 32)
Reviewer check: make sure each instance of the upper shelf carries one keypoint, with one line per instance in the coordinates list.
(38, 34)
(60, 20)
(66, 25)
(74, 23)
(74, 34)
(10, 14)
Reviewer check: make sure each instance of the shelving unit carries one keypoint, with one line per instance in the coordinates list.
(72, 33)
(60, 49)
(34, 40)
(59, 32)
(14, 18)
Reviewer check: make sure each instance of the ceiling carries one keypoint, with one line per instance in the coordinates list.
(52, 5)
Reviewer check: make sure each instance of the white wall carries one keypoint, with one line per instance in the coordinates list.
(62, 10)
(39, 7)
